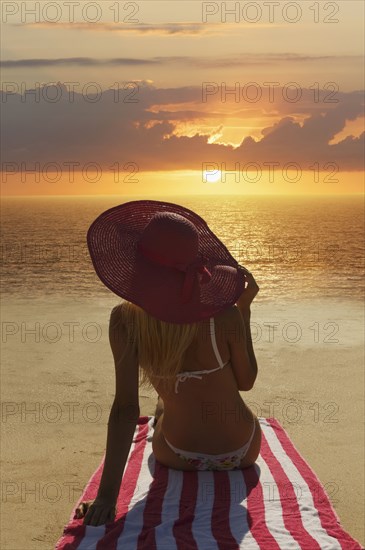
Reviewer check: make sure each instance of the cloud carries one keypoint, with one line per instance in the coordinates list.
(183, 28)
(307, 143)
(72, 61)
(243, 60)
(264, 59)
(106, 131)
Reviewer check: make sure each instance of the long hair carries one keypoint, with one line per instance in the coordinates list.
(161, 346)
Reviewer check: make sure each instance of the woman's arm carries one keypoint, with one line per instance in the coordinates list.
(121, 427)
(122, 422)
(242, 356)
(124, 413)
(246, 316)
(244, 306)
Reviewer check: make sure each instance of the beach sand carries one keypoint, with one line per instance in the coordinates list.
(58, 386)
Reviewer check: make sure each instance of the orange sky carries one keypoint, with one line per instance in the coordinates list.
(277, 97)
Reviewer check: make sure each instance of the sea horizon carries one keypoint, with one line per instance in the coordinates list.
(299, 246)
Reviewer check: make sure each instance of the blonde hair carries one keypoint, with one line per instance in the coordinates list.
(161, 346)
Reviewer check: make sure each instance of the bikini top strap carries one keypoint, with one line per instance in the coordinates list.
(214, 342)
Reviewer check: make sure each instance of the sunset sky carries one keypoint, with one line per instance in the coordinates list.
(295, 123)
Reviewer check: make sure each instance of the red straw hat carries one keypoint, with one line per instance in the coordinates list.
(164, 258)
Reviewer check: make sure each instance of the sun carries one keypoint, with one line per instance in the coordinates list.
(211, 176)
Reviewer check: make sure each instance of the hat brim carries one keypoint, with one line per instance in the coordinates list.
(112, 242)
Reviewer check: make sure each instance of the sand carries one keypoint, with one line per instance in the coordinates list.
(57, 387)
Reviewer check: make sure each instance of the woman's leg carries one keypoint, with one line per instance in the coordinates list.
(254, 450)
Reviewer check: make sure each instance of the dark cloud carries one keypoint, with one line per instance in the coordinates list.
(107, 131)
(242, 60)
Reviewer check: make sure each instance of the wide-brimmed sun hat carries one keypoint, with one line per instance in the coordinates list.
(164, 258)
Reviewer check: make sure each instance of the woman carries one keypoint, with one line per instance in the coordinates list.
(185, 321)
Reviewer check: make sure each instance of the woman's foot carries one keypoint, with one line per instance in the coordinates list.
(158, 411)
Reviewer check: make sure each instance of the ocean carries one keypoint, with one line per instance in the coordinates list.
(297, 247)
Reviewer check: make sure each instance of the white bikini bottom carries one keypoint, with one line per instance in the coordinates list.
(225, 461)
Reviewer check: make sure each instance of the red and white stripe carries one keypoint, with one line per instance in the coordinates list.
(278, 504)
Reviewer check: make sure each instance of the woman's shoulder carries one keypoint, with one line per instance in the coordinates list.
(222, 317)
(118, 313)
(117, 310)
(228, 322)
(121, 312)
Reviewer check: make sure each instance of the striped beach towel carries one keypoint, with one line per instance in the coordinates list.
(279, 503)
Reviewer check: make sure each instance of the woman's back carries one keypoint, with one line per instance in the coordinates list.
(206, 411)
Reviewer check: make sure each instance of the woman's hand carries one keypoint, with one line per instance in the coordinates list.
(96, 512)
(248, 295)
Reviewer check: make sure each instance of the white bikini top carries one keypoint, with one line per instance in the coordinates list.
(182, 376)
